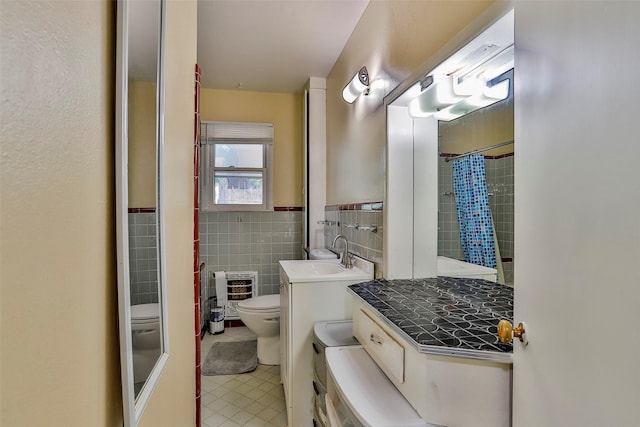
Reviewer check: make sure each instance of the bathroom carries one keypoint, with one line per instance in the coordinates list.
(72, 314)
(235, 240)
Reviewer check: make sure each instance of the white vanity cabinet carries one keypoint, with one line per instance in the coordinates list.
(307, 298)
(443, 388)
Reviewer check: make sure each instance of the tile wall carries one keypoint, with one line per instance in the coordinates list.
(500, 187)
(248, 241)
(143, 257)
(366, 244)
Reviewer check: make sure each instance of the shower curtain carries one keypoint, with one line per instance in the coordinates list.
(474, 212)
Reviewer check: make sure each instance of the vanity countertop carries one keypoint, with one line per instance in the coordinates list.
(444, 315)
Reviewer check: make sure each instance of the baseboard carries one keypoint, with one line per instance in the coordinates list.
(233, 323)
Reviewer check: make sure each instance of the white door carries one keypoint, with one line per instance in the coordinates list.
(577, 178)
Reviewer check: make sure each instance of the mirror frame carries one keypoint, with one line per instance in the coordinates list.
(132, 406)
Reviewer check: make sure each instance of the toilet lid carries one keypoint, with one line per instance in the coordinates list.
(144, 312)
(261, 303)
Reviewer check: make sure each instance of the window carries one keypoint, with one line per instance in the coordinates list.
(236, 172)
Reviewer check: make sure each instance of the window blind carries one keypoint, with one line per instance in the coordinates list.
(236, 133)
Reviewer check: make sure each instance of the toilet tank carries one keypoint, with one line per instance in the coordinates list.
(322, 254)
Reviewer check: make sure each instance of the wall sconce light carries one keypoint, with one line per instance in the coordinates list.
(358, 85)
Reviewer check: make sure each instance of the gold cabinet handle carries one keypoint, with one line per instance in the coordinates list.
(506, 332)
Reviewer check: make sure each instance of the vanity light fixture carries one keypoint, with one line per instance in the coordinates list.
(358, 85)
(487, 96)
(437, 96)
(442, 99)
(459, 88)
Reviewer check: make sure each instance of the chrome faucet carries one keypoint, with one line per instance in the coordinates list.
(346, 258)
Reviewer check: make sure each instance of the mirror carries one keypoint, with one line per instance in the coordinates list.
(458, 102)
(475, 133)
(139, 121)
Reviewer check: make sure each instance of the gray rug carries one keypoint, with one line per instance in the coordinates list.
(228, 358)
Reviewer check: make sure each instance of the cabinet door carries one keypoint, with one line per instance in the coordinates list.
(285, 305)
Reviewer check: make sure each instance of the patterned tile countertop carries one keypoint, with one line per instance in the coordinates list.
(444, 315)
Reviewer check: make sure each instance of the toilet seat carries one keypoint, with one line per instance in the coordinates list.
(144, 314)
(261, 304)
(145, 331)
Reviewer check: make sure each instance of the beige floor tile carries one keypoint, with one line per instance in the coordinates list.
(279, 420)
(267, 386)
(256, 422)
(267, 414)
(253, 399)
(242, 417)
(208, 385)
(214, 420)
(205, 412)
(217, 405)
(229, 411)
(244, 378)
(267, 399)
(221, 379)
(242, 402)
(219, 391)
(233, 384)
(278, 392)
(255, 394)
(207, 398)
(255, 408)
(278, 405)
(244, 388)
(253, 382)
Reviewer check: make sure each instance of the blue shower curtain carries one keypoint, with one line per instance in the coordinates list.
(474, 212)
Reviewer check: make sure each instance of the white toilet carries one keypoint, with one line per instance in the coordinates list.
(262, 315)
(145, 339)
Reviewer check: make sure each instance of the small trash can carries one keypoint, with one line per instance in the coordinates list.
(216, 321)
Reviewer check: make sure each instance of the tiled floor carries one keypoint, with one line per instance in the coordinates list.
(253, 399)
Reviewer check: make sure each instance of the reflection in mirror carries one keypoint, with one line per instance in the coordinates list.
(448, 108)
(490, 243)
(144, 32)
(139, 130)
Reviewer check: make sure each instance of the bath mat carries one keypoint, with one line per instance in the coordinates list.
(228, 358)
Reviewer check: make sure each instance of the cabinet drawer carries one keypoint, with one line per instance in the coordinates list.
(379, 344)
(319, 362)
(319, 407)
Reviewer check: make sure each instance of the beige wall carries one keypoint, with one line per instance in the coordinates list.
(60, 357)
(173, 401)
(482, 128)
(284, 110)
(392, 39)
(142, 144)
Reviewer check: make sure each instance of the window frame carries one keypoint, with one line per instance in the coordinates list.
(229, 133)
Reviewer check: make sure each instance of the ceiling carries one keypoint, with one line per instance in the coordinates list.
(272, 45)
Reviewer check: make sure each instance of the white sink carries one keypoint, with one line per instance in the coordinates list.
(315, 268)
(326, 270)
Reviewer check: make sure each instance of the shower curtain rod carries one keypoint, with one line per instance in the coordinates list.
(479, 150)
